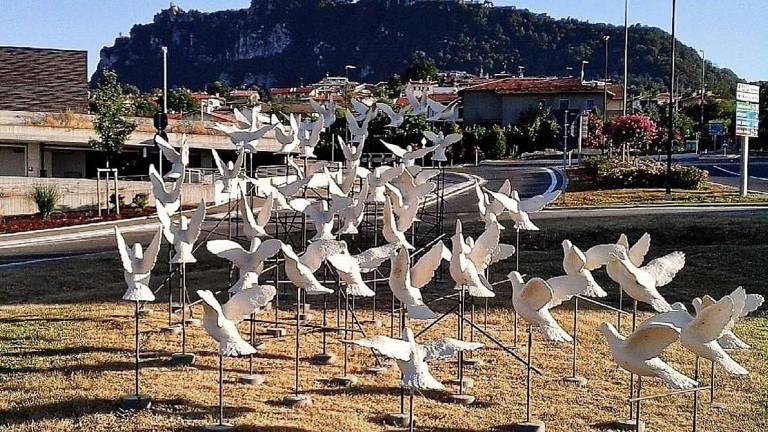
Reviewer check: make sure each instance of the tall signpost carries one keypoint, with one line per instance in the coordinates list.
(747, 108)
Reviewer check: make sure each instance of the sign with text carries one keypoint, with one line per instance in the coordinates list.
(748, 93)
(747, 119)
(716, 128)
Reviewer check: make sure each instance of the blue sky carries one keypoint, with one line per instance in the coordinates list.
(733, 32)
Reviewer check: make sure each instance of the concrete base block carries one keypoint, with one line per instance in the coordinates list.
(344, 381)
(399, 420)
(376, 370)
(532, 426)
(577, 381)
(182, 359)
(467, 382)
(136, 402)
(627, 425)
(216, 427)
(297, 401)
(326, 359)
(275, 332)
(251, 379)
(461, 399)
(472, 362)
(304, 316)
(148, 356)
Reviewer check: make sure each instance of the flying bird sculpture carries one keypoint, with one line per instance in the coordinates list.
(168, 199)
(743, 305)
(179, 159)
(641, 283)
(229, 171)
(465, 268)
(137, 266)
(406, 281)
(441, 144)
(396, 119)
(534, 299)
(184, 234)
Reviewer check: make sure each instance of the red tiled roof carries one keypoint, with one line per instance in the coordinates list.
(536, 86)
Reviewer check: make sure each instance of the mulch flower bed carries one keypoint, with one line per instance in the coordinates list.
(14, 224)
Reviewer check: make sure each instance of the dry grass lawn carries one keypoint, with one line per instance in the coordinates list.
(66, 345)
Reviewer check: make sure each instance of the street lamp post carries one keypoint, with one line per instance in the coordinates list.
(703, 92)
(346, 101)
(165, 100)
(671, 105)
(606, 38)
(626, 52)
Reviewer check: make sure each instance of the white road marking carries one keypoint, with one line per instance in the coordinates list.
(553, 178)
(738, 174)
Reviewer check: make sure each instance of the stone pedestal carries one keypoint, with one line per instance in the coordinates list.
(275, 332)
(251, 379)
(577, 381)
(183, 359)
(326, 359)
(344, 381)
(461, 399)
(216, 427)
(135, 402)
(627, 425)
(297, 401)
(399, 420)
(171, 330)
(532, 426)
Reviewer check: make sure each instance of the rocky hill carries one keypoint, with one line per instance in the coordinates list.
(282, 42)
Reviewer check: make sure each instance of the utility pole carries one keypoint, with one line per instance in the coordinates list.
(671, 105)
(165, 102)
(565, 140)
(626, 52)
(703, 92)
(606, 38)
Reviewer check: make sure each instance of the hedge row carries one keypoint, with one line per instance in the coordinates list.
(610, 173)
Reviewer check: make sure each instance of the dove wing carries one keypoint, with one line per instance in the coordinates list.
(537, 293)
(649, 341)
(122, 248)
(664, 269)
(392, 348)
(424, 270)
(246, 302)
(638, 251)
(447, 347)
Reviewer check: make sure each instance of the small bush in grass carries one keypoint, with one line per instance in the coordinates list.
(141, 200)
(120, 199)
(609, 173)
(46, 197)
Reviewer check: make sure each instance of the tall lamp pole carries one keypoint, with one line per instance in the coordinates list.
(165, 100)
(606, 38)
(671, 104)
(626, 53)
(346, 100)
(703, 92)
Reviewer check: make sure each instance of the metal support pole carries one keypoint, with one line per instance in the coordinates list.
(626, 54)
(410, 412)
(575, 335)
(296, 363)
(183, 308)
(695, 394)
(221, 388)
(136, 345)
(528, 376)
(744, 178)
(637, 407)
(671, 124)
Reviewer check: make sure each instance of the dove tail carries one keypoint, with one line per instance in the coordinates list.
(660, 305)
(674, 379)
(730, 365)
(730, 341)
(420, 312)
(554, 333)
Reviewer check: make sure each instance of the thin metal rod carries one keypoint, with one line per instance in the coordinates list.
(410, 412)
(296, 363)
(695, 413)
(504, 348)
(528, 376)
(221, 389)
(183, 308)
(325, 323)
(668, 394)
(637, 402)
(136, 342)
(460, 363)
(603, 305)
(252, 328)
(575, 335)
(712, 383)
(631, 375)
(620, 309)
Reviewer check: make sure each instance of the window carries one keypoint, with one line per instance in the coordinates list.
(589, 104)
(565, 104)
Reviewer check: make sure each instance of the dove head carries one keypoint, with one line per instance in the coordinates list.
(609, 332)
(184, 223)
(567, 245)
(138, 251)
(516, 279)
(230, 165)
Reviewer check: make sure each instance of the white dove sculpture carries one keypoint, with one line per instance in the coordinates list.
(639, 353)
(300, 275)
(352, 153)
(229, 171)
(418, 104)
(320, 213)
(743, 305)
(309, 137)
(503, 200)
(390, 231)
(396, 119)
(441, 144)
(465, 269)
(406, 281)
(532, 301)
(169, 199)
(327, 111)
(408, 196)
(255, 225)
(358, 131)
(137, 266)
(408, 155)
(575, 264)
(179, 159)
(641, 283)
(700, 334)
(600, 255)
(442, 112)
(378, 178)
(287, 138)
(360, 109)
(351, 211)
(184, 234)
(248, 138)
(412, 358)
(247, 261)
(220, 321)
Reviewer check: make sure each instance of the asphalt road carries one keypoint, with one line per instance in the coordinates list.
(728, 172)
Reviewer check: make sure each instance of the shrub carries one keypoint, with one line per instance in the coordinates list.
(120, 198)
(609, 173)
(141, 200)
(46, 197)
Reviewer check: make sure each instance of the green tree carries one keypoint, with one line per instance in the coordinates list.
(494, 143)
(110, 116)
(145, 106)
(422, 68)
(535, 130)
(218, 88)
(181, 100)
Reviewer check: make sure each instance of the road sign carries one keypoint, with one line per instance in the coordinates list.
(748, 93)
(747, 119)
(584, 126)
(716, 128)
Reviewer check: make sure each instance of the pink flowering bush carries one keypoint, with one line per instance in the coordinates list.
(636, 131)
(609, 173)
